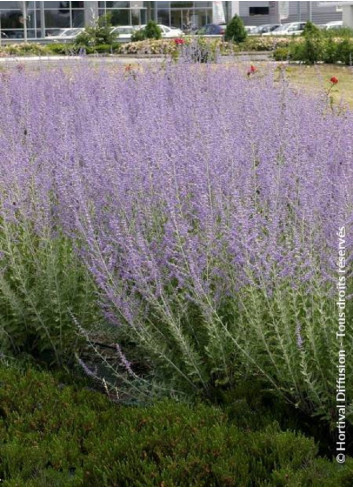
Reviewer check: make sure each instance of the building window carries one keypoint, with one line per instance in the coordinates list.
(259, 10)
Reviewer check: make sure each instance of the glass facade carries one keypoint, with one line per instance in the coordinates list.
(184, 15)
(46, 18)
(43, 18)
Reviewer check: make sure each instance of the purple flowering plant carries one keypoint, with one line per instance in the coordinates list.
(202, 203)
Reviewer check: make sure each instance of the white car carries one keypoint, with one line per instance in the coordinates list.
(168, 32)
(123, 32)
(250, 29)
(67, 34)
(290, 29)
(335, 24)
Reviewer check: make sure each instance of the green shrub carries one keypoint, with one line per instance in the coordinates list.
(61, 48)
(311, 50)
(281, 54)
(311, 29)
(138, 35)
(235, 30)
(98, 34)
(103, 48)
(330, 51)
(344, 51)
(315, 46)
(116, 47)
(151, 31)
(54, 434)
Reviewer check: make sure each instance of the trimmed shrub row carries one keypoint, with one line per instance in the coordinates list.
(314, 49)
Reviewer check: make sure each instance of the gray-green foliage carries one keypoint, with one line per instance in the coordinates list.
(97, 35)
(41, 282)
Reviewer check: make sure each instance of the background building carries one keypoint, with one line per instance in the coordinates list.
(256, 13)
(42, 18)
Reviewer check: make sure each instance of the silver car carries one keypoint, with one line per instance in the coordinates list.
(290, 29)
(67, 35)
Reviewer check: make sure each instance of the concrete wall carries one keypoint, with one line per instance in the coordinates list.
(347, 14)
(320, 12)
(91, 13)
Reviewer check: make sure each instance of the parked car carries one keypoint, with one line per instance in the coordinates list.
(123, 32)
(263, 29)
(190, 28)
(66, 35)
(335, 24)
(168, 32)
(212, 30)
(250, 28)
(290, 29)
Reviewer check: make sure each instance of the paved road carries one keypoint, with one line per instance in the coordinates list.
(84, 59)
(120, 60)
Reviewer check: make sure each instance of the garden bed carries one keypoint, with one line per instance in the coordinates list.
(173, 233)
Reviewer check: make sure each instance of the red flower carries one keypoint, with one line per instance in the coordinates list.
(252, 70)
(179, 41)
(334, 80)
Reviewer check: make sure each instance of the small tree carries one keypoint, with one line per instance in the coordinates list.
(311, 29)
(98, 34)
(311, 51)
(235, 30)
(151, 31)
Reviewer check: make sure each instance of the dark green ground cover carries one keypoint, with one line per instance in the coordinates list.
(55, 434)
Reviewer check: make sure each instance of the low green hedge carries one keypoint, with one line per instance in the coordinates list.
(71, 49)
(321, 49)
(52, 434)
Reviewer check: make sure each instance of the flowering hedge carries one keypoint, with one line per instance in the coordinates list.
(204, 204)
(312, 50)
(172, 46)
(269, 43)
(166, 46)
(24, 49)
